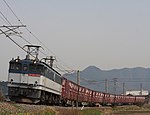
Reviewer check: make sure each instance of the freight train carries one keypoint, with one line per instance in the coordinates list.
(35, 81)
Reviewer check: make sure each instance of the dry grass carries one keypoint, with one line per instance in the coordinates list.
(23, 109)
(79, 112)
(2, 98)
(46, 111)
(69, 112)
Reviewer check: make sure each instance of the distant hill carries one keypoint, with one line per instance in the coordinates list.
(94, 78)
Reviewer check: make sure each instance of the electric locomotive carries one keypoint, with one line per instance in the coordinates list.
(34, 80)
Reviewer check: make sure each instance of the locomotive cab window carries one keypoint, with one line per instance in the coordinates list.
(25, 67)
(15, 66)
(39, 69)
(51, 75)
(18, 66)
(48, 73)
(12, 66)
(45, 71)
(58, 79)
(32, 68)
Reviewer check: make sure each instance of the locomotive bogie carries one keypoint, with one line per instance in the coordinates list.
(24, 94)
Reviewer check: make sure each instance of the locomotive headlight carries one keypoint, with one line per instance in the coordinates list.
(36, 83)
(11, 80)
(17, 60)
(34, 62)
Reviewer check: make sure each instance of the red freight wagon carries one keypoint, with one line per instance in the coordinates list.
(139, 100)
(127, 99)
(88, 95)
(106, 98)
(73, 92)
(111, 98)
(130, 99)
(97, 97)
(69, 90)
(100, 97)
(120, 99)
(93, 98)
(81, 94)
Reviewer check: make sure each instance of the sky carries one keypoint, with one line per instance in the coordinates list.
(109, 34)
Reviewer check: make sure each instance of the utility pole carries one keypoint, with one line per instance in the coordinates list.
(141, 87)
(78, 83)
(106, 86)
(115, 83)
(123, 89)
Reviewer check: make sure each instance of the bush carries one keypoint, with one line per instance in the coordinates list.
(1, 96)
(80, 112)
(91, 112)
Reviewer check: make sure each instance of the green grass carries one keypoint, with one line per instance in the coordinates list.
(39, 113)
(48, 113)
(4, 112)
(91, 112)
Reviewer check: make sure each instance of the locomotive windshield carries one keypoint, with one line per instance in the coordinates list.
(15, 66)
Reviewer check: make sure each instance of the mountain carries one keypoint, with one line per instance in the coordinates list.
(132, 78)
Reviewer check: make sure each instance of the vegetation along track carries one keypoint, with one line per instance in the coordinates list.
(27, 109)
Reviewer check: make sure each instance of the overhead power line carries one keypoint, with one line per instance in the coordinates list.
(5, 19)
(32, 35)
(27, 28)
(12, 40)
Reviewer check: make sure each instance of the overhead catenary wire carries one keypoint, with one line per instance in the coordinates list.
(4, 18)
(11, 9)
(8, 22)
(27, 28)
(12, 40)
(35, 35)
